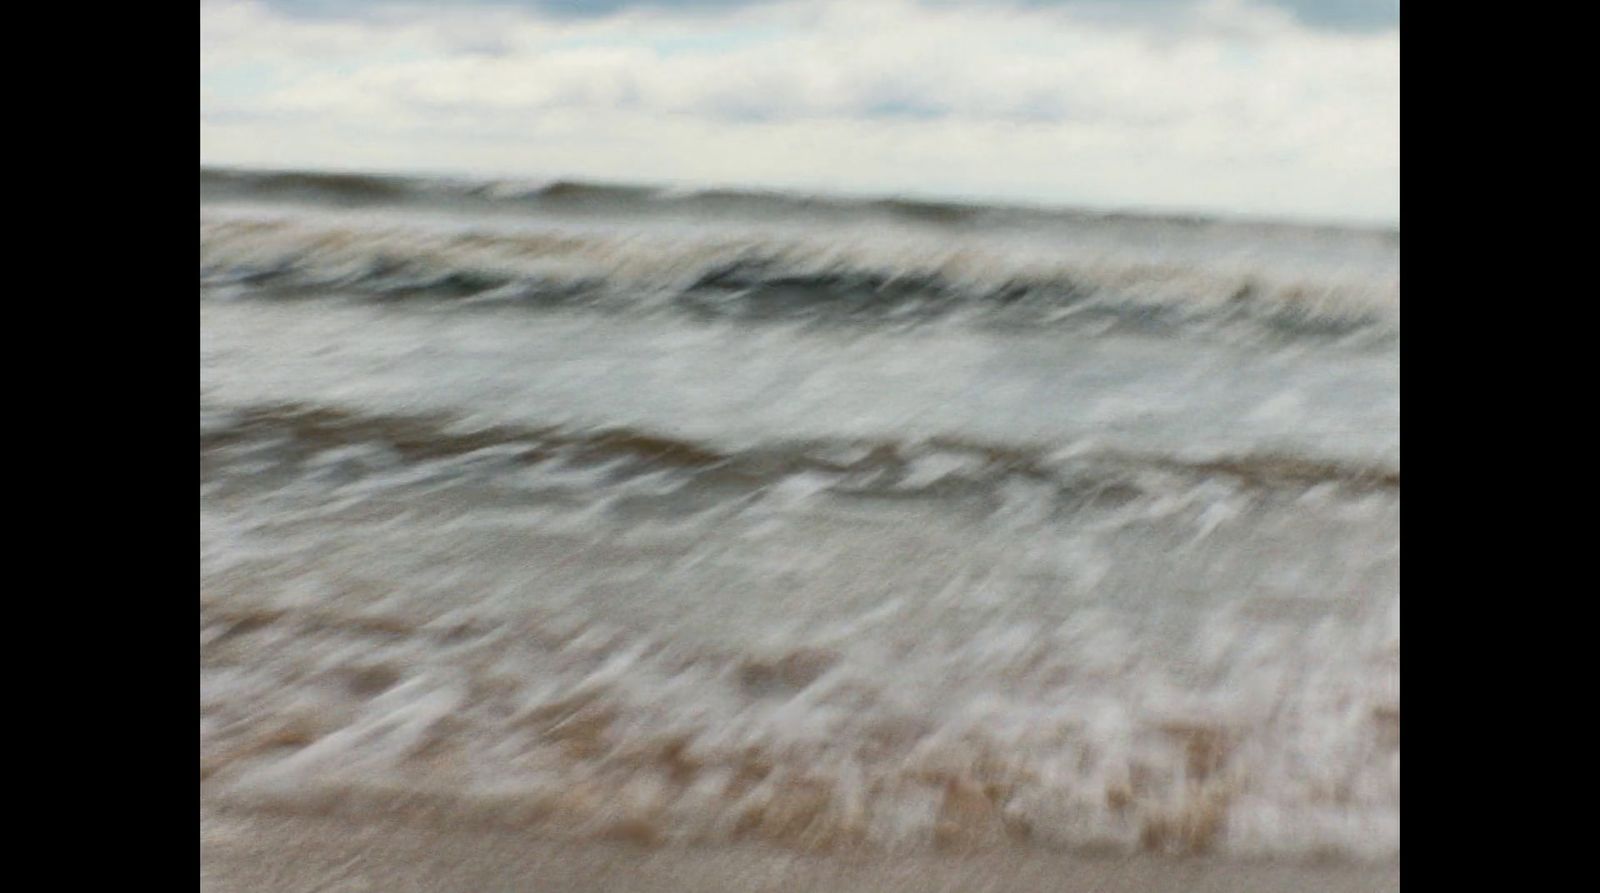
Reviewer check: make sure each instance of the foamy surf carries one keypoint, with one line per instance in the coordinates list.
(753, 257)
(689, 521)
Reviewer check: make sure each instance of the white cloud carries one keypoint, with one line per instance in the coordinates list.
(1239, 110)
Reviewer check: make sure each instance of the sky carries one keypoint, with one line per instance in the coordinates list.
(1275, 108)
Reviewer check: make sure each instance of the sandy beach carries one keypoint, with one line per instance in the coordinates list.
(258, 850)
(817, 445)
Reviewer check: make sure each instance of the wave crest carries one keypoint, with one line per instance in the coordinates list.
(786, 274)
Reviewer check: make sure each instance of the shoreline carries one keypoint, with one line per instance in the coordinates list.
(250, 849)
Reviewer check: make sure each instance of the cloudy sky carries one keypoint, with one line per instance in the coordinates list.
(1284, 108)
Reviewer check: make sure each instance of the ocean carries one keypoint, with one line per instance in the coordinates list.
(696, 518)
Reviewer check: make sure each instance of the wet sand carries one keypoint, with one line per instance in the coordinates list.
(253, 850)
